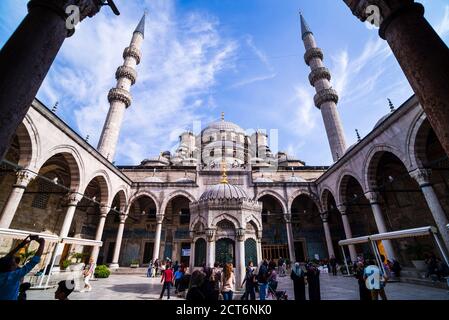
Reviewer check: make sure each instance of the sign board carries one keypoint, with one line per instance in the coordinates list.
(185, 252)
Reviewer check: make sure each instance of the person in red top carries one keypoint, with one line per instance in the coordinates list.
(167, 280)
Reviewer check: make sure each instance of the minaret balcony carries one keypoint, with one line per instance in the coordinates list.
(126, 72)
(117, 94)
(313, 53)
(326, 95)
(319, 74)
(134, 52)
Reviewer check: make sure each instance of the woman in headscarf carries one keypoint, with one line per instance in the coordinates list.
(299, 283)
(313, 279)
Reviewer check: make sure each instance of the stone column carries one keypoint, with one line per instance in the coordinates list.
(421, 53)
(240, 261)
(290, 238)
(259, 248)
(157, 237)
(72, 201)
(373, 198)
(34, 44)
(24, 177)
(327, 234)
(192, 252)
(118, 241)
(422, 176)
(103, 214)
(210, 247)
(348, 232)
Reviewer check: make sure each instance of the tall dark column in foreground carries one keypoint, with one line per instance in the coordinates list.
(421, 53)
(28, 55)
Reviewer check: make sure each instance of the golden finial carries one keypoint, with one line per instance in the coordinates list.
(224, 176)
(222, 116)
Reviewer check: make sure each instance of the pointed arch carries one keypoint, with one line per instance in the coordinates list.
(145, 193)
(174, 195)
(275, 195)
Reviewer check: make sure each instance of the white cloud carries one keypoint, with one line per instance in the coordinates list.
(305, 116)
(252, 80)
(182, 57)
(443, 27)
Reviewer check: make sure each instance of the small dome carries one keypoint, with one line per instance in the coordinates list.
(263, 180)
(385, 117)
(295, 179)
(153, 180)
(224, 191)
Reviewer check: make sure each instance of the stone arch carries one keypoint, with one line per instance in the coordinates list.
(254, 220)
(298, 193)
(223, 217)
(275, 195)
(325, 197)
(416, 141)
(199, 220)
(122, 198)
(26, 146)
(174, 195)
(74, 161)
(342, 185)
(148, 194)
(102, 180)
(372, 160)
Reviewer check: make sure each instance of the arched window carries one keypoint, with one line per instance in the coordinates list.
(200, 252)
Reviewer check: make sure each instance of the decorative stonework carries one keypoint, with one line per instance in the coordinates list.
(159, 218)
(288, 217)
(342, 209)
(210, 234)
(313, 53)
(325, 217)
(240, 233)
(73, 198)
(319, 74)
(24, 177)
(123, 218)
(104, 210)
(117, 94)
(422, 176)
(134, 52)
(372, 196)
(325, 95)
(126, 72)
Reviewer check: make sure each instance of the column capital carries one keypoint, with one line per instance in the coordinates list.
(87, 8)
(104, 210)
(159, 218)
(73, 198)
(342, 208)
(240, 233)
(372, 196)
(210, 234)
(422, 176)
(123, 217)
(325, 217)
(24, 177)
(259, 235)
(288, 218)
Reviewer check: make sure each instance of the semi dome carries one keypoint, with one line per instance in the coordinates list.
(263, 180)
(224, 191)
(185, 180)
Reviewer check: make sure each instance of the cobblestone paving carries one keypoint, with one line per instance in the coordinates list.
(138, 287)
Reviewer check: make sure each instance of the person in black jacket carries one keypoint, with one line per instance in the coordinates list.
(250, 283)
(195, 292)
(299, 282)
(262, 279)
(313, 279)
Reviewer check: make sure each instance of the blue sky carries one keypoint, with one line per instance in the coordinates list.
(243, 57)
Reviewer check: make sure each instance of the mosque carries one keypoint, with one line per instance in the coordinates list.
(223, 195)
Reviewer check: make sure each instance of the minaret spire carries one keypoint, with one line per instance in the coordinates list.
(120, 97)
(326, 97)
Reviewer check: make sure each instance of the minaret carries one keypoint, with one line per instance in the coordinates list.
(119, 97)
(326, 97)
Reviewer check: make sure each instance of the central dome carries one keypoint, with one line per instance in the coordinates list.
(224, 191)
(223, 125)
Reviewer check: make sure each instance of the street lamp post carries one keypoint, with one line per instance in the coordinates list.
(29, 53)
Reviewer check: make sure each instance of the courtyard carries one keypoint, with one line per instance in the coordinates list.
(139, 287)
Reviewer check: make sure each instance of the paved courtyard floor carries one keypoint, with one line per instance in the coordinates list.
(138, 287)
